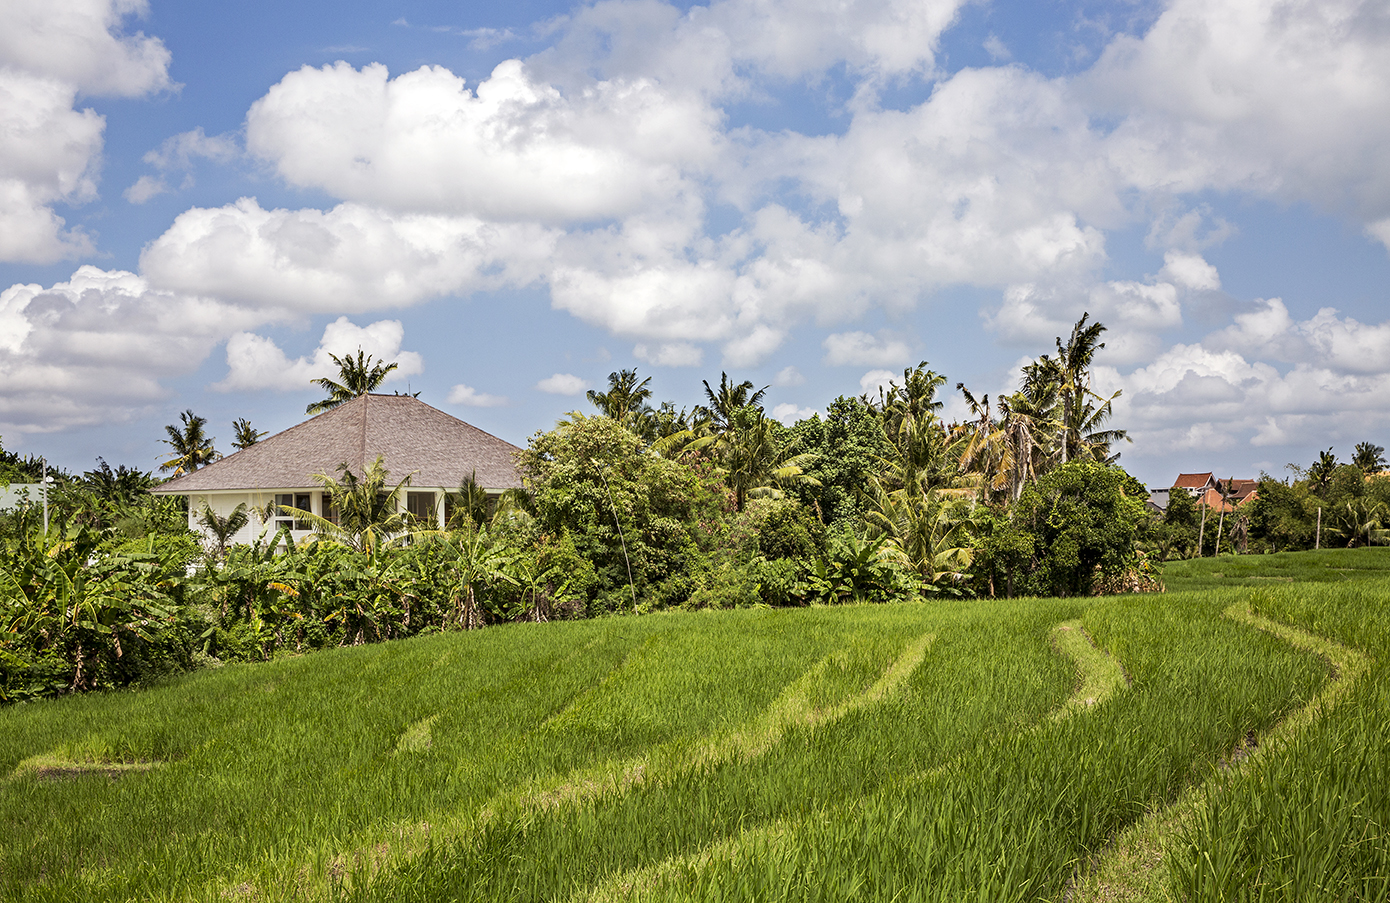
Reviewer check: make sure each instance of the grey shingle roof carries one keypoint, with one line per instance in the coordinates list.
(442, 450)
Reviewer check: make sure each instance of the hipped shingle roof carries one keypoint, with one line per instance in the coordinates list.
(440, 450)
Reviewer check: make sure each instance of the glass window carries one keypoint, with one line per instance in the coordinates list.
(421, 507)
(302, 501)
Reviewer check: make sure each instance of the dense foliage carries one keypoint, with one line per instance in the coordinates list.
(633, 509)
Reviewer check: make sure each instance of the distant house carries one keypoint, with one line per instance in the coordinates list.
(437, 451)
(1205, 489)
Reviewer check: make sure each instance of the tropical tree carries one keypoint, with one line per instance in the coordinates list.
(1320, 473)
(222, 528)
(930, 538)
(981, 446)
(192, 447)
(475, 563)
(1369, 457)
(469, 504)
(356, 376)
(730, 397)
(246, 434)
(366, 511)
(121, 485)
(909, 414)
(1357, 521)
(755, 462)
(626, 398)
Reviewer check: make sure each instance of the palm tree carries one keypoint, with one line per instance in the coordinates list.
(1358, 520)
(1081, 420)
(222, 528)
(470, 505)
(756, 462)
(722, 404)
(192, 446)
(981, 446)
(356, 376)
(246, 434)
(366, 512)
(1369, 457)
(119, 486)
(625, 399)
(1320, 474)
(475, 563)
(920, 528)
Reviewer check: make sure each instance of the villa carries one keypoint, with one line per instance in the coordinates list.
(435, 450)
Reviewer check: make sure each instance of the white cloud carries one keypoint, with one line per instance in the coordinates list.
(94, 349)
(713, 48)
(1191, 271)
(80, 43)
(1290, 99)
(179, 151)
(670, 354)
(515, 148)
(256, 362)
(1135, 315)
(1219, 394)
(49, 154)
(847, 348)
(788, 376)
(1380, 231)
(562, 384)
(470, 397)
(788, 413)
(145, 188)
(875, 380)
(350, 258)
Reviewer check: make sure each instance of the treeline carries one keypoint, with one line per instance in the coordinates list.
(632, 507)
(1328, 504)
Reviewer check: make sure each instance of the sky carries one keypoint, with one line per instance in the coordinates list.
(200, 202)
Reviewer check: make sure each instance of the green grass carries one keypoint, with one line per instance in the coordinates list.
(1212, 744)
(1325, 566)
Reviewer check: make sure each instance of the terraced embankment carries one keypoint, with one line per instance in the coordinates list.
(972, 750)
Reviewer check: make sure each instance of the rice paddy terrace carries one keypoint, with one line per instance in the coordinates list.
(1225, 742)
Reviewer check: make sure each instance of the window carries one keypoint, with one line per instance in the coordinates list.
(302, 501)
(420, 505)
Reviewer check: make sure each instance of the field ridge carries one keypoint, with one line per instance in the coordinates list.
(1132, 867)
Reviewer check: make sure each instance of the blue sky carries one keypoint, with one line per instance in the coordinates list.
(198, 202)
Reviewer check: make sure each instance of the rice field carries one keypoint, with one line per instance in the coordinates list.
(1219, 743)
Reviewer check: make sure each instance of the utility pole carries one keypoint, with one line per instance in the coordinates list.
(1317, 540)
(1221, 521)
(1202, 530)
(44, 462)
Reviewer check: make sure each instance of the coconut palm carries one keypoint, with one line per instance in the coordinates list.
(192, 447)
(367, 514)
(1358, 521)
(221, 528)
(925, 534)
(469, 504)
(730, 397)
(356, 376)
(754, 461)
(246, 434)
(626, 397)
(980, 445)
